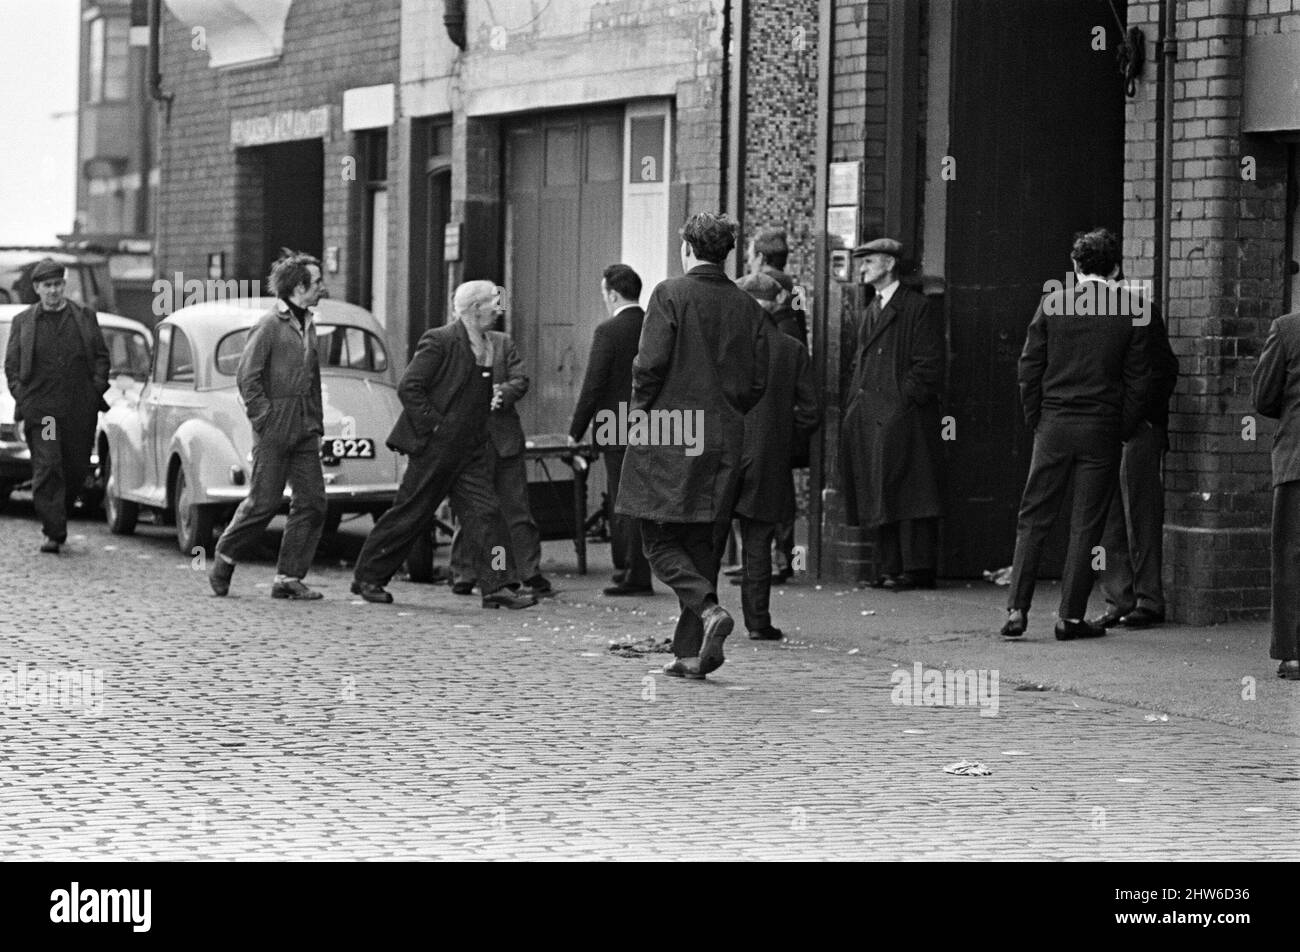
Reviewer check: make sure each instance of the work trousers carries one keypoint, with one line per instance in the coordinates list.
(756, 581)
(686, 556)
(909, 545)
(510, 483)
(625, 531)
(1286, 572)
(60, 449)
(1135, 525)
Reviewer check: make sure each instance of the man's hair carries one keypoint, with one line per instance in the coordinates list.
(623, 281)
(289, 271)
(1096, 252)
(771, 244)
(761, 287)
(471, 293)
(710, 236)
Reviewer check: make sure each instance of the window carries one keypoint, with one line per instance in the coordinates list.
(108, 59)
(162, 353)
(337, 345)
(128, 352)
(180, 368)
(229, 351)
(373, 146)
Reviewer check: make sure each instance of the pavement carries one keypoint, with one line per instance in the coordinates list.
(253, 728)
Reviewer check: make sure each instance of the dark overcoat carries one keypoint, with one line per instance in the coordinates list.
(788, 411)
(608, 381)
(702, 351)
(1276, 394)
(891, 449)
(439, 370)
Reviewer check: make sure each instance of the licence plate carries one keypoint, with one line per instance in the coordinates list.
(347, 448)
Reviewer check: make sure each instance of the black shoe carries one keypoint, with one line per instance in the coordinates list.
(294, 589)
(539, 586)
(504, 598)
(688, 668)
(1142, 618)
(1016, 624)
(219, 576)
(619, 577)
(463, 588)
(1069, 630)
(767, 634)
(884, 580)
(372, 593)
(615, 591)
(910, 580)
(49, 546)
(1289, 671)
(1108, 619)
(717, 625)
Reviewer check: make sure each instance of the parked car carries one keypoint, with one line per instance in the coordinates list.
(128, 352)
(183, 446)
(87, 276)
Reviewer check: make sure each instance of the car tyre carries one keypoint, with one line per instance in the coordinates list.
(195, 523)
(5, 490)
(120, 514)
(419, 561)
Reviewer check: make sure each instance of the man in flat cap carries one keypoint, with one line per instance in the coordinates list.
(57, 367)
(890, 450)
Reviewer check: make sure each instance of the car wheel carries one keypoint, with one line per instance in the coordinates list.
(5, 490)
(419, 561)
(92, 494)
(194, 522)
(120, 514)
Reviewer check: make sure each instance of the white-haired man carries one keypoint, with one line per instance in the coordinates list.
(446, 395)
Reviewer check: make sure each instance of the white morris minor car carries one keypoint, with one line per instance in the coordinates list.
(183, 447)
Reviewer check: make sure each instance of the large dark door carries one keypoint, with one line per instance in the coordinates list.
(293, 199)
(1038, 138)
(564, 221)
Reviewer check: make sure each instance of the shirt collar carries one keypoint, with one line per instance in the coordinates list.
(282, 308)
(886, 293)
(1081, 278)
(623, 307)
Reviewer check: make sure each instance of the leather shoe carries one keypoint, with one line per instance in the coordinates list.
(220, 574)
(539, 586)
(1069, 630)
(294, 589)
(463, 588)
(504, 598)
(767, 634)
(1108, 619)
(615, 591)
(372, 593)
(717, 625)
(1289, 671)
(1017, 622)
(783, 576)
(1142, 618)
(619, 577)
(50, 546)
(688, 668)
(884, 580)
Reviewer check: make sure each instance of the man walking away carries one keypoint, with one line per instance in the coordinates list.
(1276, 393)
(788, 409)
(702, 361)
(446, 395)
(279, 381)
(57, 366)
(606, 387)
(1083, 384)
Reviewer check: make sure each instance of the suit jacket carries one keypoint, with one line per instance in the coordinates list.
(504, 427)
(279, 379)
(22, 343)
(1084, 369)
(1276, 393)
(608, 381)
(891, 452)
(703, 353)
(442, 365)
(789, 410)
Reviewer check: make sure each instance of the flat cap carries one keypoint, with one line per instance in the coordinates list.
(45, 270)
(881, 246)
(763, 287)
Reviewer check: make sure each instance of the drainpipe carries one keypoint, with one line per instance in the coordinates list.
(155, 58)
(1168, 56)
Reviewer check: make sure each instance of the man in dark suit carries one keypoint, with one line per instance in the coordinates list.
(57, 367)
(509, 477)
(1276, 393)
(606, 387)
(891, 453)
(789, 409)
(1133, 541)
(1083, 384)
(702, 362)
(446, 395)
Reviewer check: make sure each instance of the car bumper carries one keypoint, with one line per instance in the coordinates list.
(338, 497)
(15, 462)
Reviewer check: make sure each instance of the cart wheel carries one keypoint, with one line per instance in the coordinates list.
(419, 561)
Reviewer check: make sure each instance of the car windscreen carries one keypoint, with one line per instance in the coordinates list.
(337, 345)
(128, 352)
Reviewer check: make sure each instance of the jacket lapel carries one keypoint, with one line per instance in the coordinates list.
(27, 341)
(887, 315)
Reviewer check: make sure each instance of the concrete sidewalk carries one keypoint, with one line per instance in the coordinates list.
(1220, 673)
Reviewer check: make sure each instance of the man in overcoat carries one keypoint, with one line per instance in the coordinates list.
(703, 361)
(789, 410)
(446, 394)
(57, 368)
(891, 456)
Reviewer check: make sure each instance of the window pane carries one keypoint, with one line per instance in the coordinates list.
(181, 367)
(95, 65)
(117, 59)
(128, 352)
(229, 351)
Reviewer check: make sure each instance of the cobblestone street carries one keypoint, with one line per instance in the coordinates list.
(254, 728)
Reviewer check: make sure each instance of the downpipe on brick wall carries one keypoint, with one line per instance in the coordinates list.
(1168, 57)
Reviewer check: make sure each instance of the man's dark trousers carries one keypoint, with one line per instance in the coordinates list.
(686, 557)
(756, 581)
(432, 475)
(910, 545)
(1091, 454)
(625, 531)
(60, 447)
(510, 484)
(1133, 540)
(299, 465)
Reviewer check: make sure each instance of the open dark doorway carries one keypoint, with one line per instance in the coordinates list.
(283, 203)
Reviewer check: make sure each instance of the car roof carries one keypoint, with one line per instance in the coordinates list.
(16, 259)
(205, 324)
(7, 312)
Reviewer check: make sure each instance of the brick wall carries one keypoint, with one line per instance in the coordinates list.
(205, 194)
(1226, 285)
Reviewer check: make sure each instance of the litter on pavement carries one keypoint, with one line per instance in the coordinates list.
(645, 646)
(968, 768)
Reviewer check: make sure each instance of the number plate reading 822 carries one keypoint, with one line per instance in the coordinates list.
(347, 448)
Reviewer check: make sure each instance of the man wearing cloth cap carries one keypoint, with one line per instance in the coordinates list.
(57, 367)
(890, 450)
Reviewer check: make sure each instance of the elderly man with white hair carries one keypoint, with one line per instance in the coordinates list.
(446, 395)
